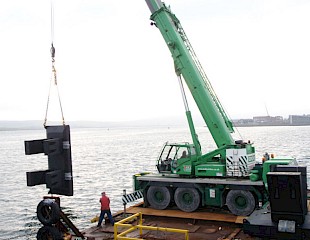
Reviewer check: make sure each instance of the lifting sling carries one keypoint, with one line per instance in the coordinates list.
(53, 81)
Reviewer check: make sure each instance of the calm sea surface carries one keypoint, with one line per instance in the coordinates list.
(106, 159)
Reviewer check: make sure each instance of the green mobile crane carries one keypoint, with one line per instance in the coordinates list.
(187, 177)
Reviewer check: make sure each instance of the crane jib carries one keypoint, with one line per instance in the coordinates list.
(188, 65)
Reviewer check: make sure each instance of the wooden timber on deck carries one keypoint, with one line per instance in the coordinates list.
(175, 213)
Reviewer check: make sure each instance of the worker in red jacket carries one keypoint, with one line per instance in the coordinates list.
(105, 209)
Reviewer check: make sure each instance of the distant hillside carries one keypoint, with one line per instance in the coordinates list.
(20, 125)
(38, 124)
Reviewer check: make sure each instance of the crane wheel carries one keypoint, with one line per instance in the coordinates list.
(159, 197)
(240, 202)
(49, 232)
(187, 199)
(48, 212)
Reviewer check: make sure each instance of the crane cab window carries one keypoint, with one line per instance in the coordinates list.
(173, 152)
(183, 153)
(171, 155)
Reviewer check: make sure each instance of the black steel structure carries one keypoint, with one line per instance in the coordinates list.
(57, 146)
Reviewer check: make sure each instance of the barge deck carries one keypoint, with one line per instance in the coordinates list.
(206, 224)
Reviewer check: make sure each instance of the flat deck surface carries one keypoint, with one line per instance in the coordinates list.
(201, 225)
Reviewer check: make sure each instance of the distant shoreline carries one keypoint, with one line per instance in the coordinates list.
(261, 121)
(292, 120)
(38, 125)
(270, 125)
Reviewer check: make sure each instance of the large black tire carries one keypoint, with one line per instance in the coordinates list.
(49, 233)
(240, 202)
(159, 197)
(187, 199)
(48, 212)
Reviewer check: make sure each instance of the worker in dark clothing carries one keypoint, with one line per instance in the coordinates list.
(105, 209)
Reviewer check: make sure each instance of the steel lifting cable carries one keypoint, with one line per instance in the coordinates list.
(54, 75)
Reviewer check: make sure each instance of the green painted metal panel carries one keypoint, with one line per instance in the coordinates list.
(213, 196)
(210, 170)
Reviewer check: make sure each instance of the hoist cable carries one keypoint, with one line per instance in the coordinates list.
(52, 21)
(53, 81)
(54, 75)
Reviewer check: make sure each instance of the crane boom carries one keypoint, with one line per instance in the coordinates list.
(188, 65)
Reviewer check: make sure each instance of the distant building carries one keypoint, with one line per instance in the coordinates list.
(299, 119)
(268, 120)
(242, 122)
(293, 120)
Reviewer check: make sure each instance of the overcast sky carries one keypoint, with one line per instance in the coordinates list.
(112, 65)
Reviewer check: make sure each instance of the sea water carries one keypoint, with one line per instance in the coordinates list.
(104, 160)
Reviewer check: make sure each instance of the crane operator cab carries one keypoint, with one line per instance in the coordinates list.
(173, 156)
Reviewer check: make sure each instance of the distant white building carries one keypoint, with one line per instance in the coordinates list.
(299, 119)
(293, 120)
(268, 119)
